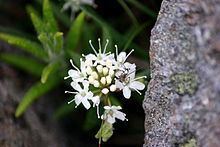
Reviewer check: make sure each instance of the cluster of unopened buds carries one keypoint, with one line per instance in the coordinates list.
(101, 74)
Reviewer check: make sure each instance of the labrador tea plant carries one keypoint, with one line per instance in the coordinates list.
(99, 75)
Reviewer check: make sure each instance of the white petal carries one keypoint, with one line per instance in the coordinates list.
(73, 73)
(126, 92)
(120, 115)
(86, 85)
(76, 86)
(77, 99)
(121, 57)
(110, 119)
(107, 107)
(91, 57)
(89, 95)
(86, 103)
(119, 85)
(116, 107)
(137, 85)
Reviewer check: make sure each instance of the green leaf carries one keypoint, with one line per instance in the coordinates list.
(106, 34)
(63, 110)
(143, 8)
(75, 56)
(36, 20)
(128, 11)
(119, 38)
(134, 33)
(49, 17)
(34, 93)
(24, 63)
(105, 132)
(91, 119)
(75, 32)
(49, 69)
(61, 16)
(25, 44)
(58, 41)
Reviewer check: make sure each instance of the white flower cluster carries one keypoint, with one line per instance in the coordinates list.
(101, 73)
(74, 5)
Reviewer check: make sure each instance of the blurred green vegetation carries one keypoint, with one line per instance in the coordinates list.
(51, 38)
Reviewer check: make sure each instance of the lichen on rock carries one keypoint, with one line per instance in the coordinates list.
(184, 83)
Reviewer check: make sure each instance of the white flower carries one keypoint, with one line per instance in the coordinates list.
(96, 101)
(100, 57)
(121, 58)
(82, 94)
(126, 80)
(76, 74)
(74, 5)
(111, 113)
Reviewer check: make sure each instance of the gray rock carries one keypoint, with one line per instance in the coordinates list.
(182, 103)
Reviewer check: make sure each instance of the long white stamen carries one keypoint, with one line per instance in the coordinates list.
(71, 92)
(137, 91)
(90, 42)
(116, 47)
(71, 101)
(129, 54)
(66, 77)
(71, 61)
(100, 48)
(139, 78)
(107, 41)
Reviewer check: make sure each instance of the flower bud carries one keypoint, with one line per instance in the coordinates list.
(95, 75)
(108, 79)
(105, 71)
(112, 88)
(111, 72)
(108, 63)
(88, 62)
(91, 79)
(105, 91)
(99, 68)
(89, 70)
(96, 84)
(103, 80)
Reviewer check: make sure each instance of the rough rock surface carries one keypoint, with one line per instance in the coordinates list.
(182, 103)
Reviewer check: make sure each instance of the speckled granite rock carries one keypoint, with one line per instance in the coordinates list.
(182, 103)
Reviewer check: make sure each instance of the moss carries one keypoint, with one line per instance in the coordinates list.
(190, 143)
(184, 83)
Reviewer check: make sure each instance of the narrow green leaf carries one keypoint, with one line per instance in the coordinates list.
(34, 93)
(75, 32)
(106, 34)
(134, 34)
(61, 16)
(27, 64)
(118, 38)
(36, 20)
(25, 44)
(49, 17)
(63, 110)
(75, 56)
(143, 8)
(58, 41)
(48, 70)
(128, 11)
